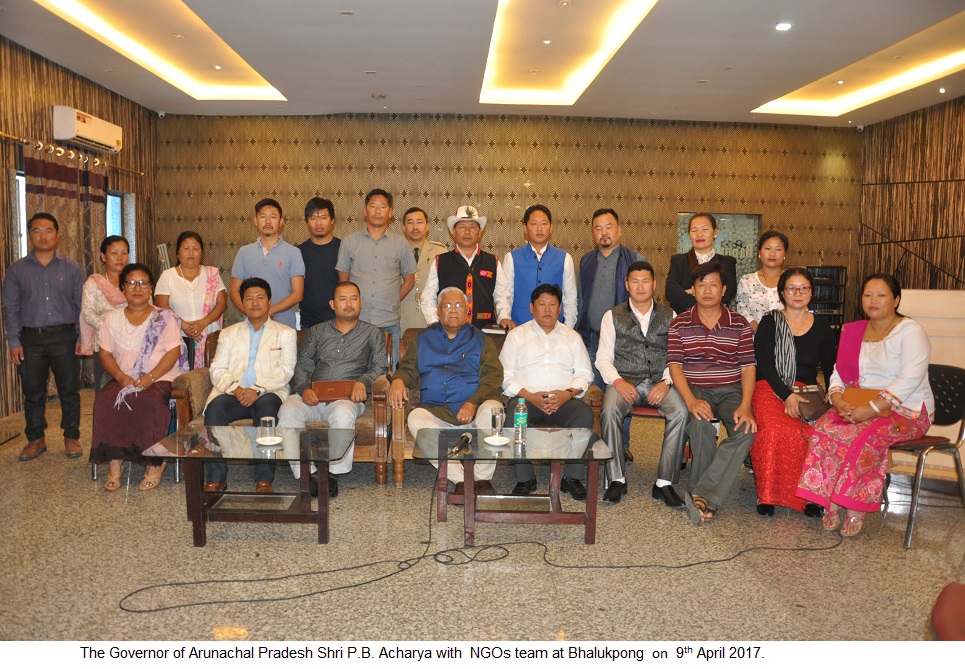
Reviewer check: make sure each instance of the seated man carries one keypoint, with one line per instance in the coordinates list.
(344, 348)
(632, 357)
(710, 352)
(545, 362)
(458, 372)
(250, 373)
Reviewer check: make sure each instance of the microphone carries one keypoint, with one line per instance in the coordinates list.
(462, 446)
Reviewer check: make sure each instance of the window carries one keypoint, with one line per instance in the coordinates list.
(114, 223)
(22, 214)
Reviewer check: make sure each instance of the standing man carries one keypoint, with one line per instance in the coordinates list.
(710, 351)
(545, 363)
(458, 372)
(41, 294)
(602, 283)
(632, 358)
(249, 374)
(341, 349)
(534, 264)
(274, 260)
(381, 264)
(468, 268)
(415, 226)
(319, 253)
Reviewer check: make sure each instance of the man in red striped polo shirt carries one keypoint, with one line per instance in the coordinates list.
(710, 353)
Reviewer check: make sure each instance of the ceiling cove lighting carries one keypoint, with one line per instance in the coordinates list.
(185, 71)
(901, 67)
(585, 38)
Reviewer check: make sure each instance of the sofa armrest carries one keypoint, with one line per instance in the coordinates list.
(190, 392)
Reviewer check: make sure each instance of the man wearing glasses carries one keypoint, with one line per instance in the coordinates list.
(459, 375)
(41, 295)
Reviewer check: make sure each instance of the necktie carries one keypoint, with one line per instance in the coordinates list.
(415, 252)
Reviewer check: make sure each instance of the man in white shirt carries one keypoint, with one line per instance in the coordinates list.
(532, 265)
(632, 358)
(545, 362)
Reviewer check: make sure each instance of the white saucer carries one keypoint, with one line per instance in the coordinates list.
(496, 440)
(268, 441)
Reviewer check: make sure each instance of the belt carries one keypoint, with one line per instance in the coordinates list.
(48, 329)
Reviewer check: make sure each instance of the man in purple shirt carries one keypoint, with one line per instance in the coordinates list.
(710, 353)
(41, 308)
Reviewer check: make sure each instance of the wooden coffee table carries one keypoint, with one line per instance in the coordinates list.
(197, 445)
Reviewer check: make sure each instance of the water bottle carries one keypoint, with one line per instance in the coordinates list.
(520, 419)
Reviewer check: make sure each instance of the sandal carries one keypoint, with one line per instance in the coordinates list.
(696, 507)
(113, 482)
(710, 514)
(831, 520)
(151, 481)
(852, 525)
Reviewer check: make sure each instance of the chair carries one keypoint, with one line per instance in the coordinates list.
(190, 392)
(402, 442)
(948, 386)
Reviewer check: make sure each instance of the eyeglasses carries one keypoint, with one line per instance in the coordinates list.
(798, 290)
(450, 306)
(141, 283)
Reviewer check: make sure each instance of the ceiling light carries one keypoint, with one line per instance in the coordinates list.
(147, 50)
(346, 13)
(941, 90)
(840, 82)
(784, 25)
(177, 36)
(217, 67)
(547, 41)
(590, 37)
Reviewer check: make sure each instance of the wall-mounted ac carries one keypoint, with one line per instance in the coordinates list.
(77, 127)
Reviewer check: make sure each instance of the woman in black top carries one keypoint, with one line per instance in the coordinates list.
(680, 286)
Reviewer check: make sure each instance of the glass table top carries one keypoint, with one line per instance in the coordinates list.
(244, 443)
(540, 444)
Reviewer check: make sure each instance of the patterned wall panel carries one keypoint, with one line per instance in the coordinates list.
(802, 180)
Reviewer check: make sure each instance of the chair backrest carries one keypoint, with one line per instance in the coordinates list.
(212, 346)
(948, 386)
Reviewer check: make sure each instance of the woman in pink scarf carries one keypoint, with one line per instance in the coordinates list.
(195, 292)
(102, 296)
(844, 470)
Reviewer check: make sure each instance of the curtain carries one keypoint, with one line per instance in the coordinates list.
(11, 398)
(71, 188)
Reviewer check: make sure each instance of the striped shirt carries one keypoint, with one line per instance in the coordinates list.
(714, 357)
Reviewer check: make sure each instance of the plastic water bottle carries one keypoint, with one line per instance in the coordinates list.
(520, 420)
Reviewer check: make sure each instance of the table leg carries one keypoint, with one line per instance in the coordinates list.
(194, 496)
(442, 490)
(469, 503)
(322, 468)
(555, 467)
(593, 470)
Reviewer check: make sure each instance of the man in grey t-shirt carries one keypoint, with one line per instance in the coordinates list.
(381, 264)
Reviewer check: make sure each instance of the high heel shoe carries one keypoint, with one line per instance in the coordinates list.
(113, 482)
(151, 481)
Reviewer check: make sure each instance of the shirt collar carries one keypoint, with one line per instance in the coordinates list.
(640, 314)
(702, 258)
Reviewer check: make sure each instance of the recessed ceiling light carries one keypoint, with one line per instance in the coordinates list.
(345, 12)
(702, 81)
(217, 67)
(177, 36)
(371, 72)
(533, 71)
(564, 3)
(840, 82)
(783, 26)
(941, 90)
(547, 41)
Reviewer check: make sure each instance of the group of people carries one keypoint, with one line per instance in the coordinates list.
(566, 326)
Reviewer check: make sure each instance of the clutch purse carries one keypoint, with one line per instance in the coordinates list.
(862, 396)
(330, 391)
(816, 404)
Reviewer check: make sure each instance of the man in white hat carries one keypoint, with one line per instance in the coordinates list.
(467, 267)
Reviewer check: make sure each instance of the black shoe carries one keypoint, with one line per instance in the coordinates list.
(615, 492)
(667, 495)
(765, 509)
(332, 486)
(574, 487)
(812, 510)
(525, 487)
(485, 487)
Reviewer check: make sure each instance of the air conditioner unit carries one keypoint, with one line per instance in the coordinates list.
(80, 128)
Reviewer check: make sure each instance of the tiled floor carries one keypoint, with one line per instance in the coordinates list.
(79, 563)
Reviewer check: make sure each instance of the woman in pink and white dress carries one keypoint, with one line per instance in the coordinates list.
(757, 293)
(195, 292)
(102, 296)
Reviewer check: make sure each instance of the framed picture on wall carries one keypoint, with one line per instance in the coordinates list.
(737, 236)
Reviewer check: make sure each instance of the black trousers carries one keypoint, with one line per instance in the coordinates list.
(42, 354)
(224, 410)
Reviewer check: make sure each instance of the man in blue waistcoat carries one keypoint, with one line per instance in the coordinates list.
(459, 375)
(535, 264)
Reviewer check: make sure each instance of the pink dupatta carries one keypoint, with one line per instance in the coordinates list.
(849, 351)
(88, 335)
(211, 289)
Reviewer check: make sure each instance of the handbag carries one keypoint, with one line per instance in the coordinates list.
(816, 403)
(331, 391)
(857, 397)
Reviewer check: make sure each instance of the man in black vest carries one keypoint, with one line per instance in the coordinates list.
(467, 267)
(632, 358)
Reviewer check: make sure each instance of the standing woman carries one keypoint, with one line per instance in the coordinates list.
(141, 348)
(844, 470)
(102, 296)
(680, 285)
(195, 292)
(757, 292)
(789, 346)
